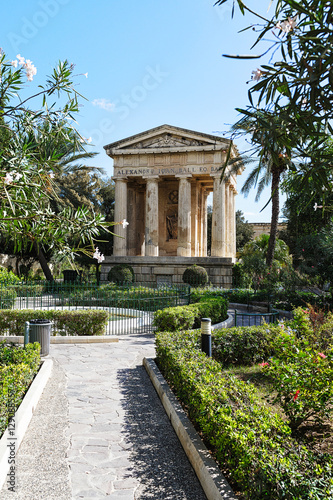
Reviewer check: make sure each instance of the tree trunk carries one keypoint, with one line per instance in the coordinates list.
(17, 266)
(276, 174)
(43, 262)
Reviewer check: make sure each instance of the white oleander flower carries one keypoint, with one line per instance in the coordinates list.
(21, 59)
(97, 255)
(256, 75)
(124, 223)
(287, 25)
(9, 178)
(315, 206)
(14, 63)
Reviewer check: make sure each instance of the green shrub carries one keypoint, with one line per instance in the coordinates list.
(65, 322)
(247, 437)
(303, 383)
(240, 278)
(17, 369)
(121, 273)
(8, 277)
(245, 345)
(185, 317)
(7, 297)
(195, 276)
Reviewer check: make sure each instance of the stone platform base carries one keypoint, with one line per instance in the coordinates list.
(169, 270)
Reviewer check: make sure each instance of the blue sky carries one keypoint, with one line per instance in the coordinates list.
(148, 63)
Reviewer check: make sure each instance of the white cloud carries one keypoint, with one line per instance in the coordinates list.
(104, 104)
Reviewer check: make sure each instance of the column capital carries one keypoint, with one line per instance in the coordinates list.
(155, 178)
(183, 176)
(124, 179)
(217, 175)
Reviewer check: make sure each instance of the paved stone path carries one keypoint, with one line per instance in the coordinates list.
(100, 431)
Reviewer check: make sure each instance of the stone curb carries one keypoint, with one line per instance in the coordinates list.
(228, 323)
(211, 478)
(87, 339)
(22, 418)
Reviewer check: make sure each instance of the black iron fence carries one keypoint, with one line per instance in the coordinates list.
(130, 307)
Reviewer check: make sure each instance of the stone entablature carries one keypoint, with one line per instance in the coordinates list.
(162, 180)
(166, 171)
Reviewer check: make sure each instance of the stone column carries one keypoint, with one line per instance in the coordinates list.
(131, 214)
(233, 208)
(204, 224)
(227, 221)
(151, 230)
(184, 216)
(120, 213)
(218, 218)
(194, 219)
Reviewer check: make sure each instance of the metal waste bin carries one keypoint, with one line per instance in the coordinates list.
(40, 331)
(70, 275)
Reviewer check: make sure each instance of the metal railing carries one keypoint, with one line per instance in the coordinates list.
(256, 319)
(130, 307)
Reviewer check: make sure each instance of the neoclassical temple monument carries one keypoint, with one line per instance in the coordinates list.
(163, 177)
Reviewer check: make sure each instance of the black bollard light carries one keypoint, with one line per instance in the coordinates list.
(206, 336)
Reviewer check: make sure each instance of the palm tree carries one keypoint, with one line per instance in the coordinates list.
(62, 149)
(271, 147)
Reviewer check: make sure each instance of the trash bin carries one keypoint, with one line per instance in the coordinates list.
(70, 275)
(40, 331)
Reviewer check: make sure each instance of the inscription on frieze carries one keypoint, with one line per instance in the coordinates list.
(194, 169)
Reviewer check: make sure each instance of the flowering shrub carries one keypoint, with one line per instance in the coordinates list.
(304, 385)
(251, 441)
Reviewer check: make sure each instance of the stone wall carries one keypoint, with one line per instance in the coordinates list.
(170, 270)
(265, 227)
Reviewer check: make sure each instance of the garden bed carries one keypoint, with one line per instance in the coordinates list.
(19, 422)
(253, 441)
(18, 367)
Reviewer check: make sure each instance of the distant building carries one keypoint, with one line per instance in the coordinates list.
(265, 227)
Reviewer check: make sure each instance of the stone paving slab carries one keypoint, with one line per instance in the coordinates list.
(100, 431)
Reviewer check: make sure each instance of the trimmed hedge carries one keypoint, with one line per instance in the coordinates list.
(121, 274)
(185, 317)
(18, 366)
(65, 322)
(195, 276)
(247, 437)
(247, 345)
(281, 299)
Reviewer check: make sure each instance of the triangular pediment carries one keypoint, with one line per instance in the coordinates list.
(166, 138)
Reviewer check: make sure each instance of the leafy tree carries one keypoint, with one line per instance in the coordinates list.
(300, 71)
(260, 245)
(295, 87)
(104, 203)
(244, 231)
(298, 79)
(271, 151)
(26, 183)
(254, 256)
